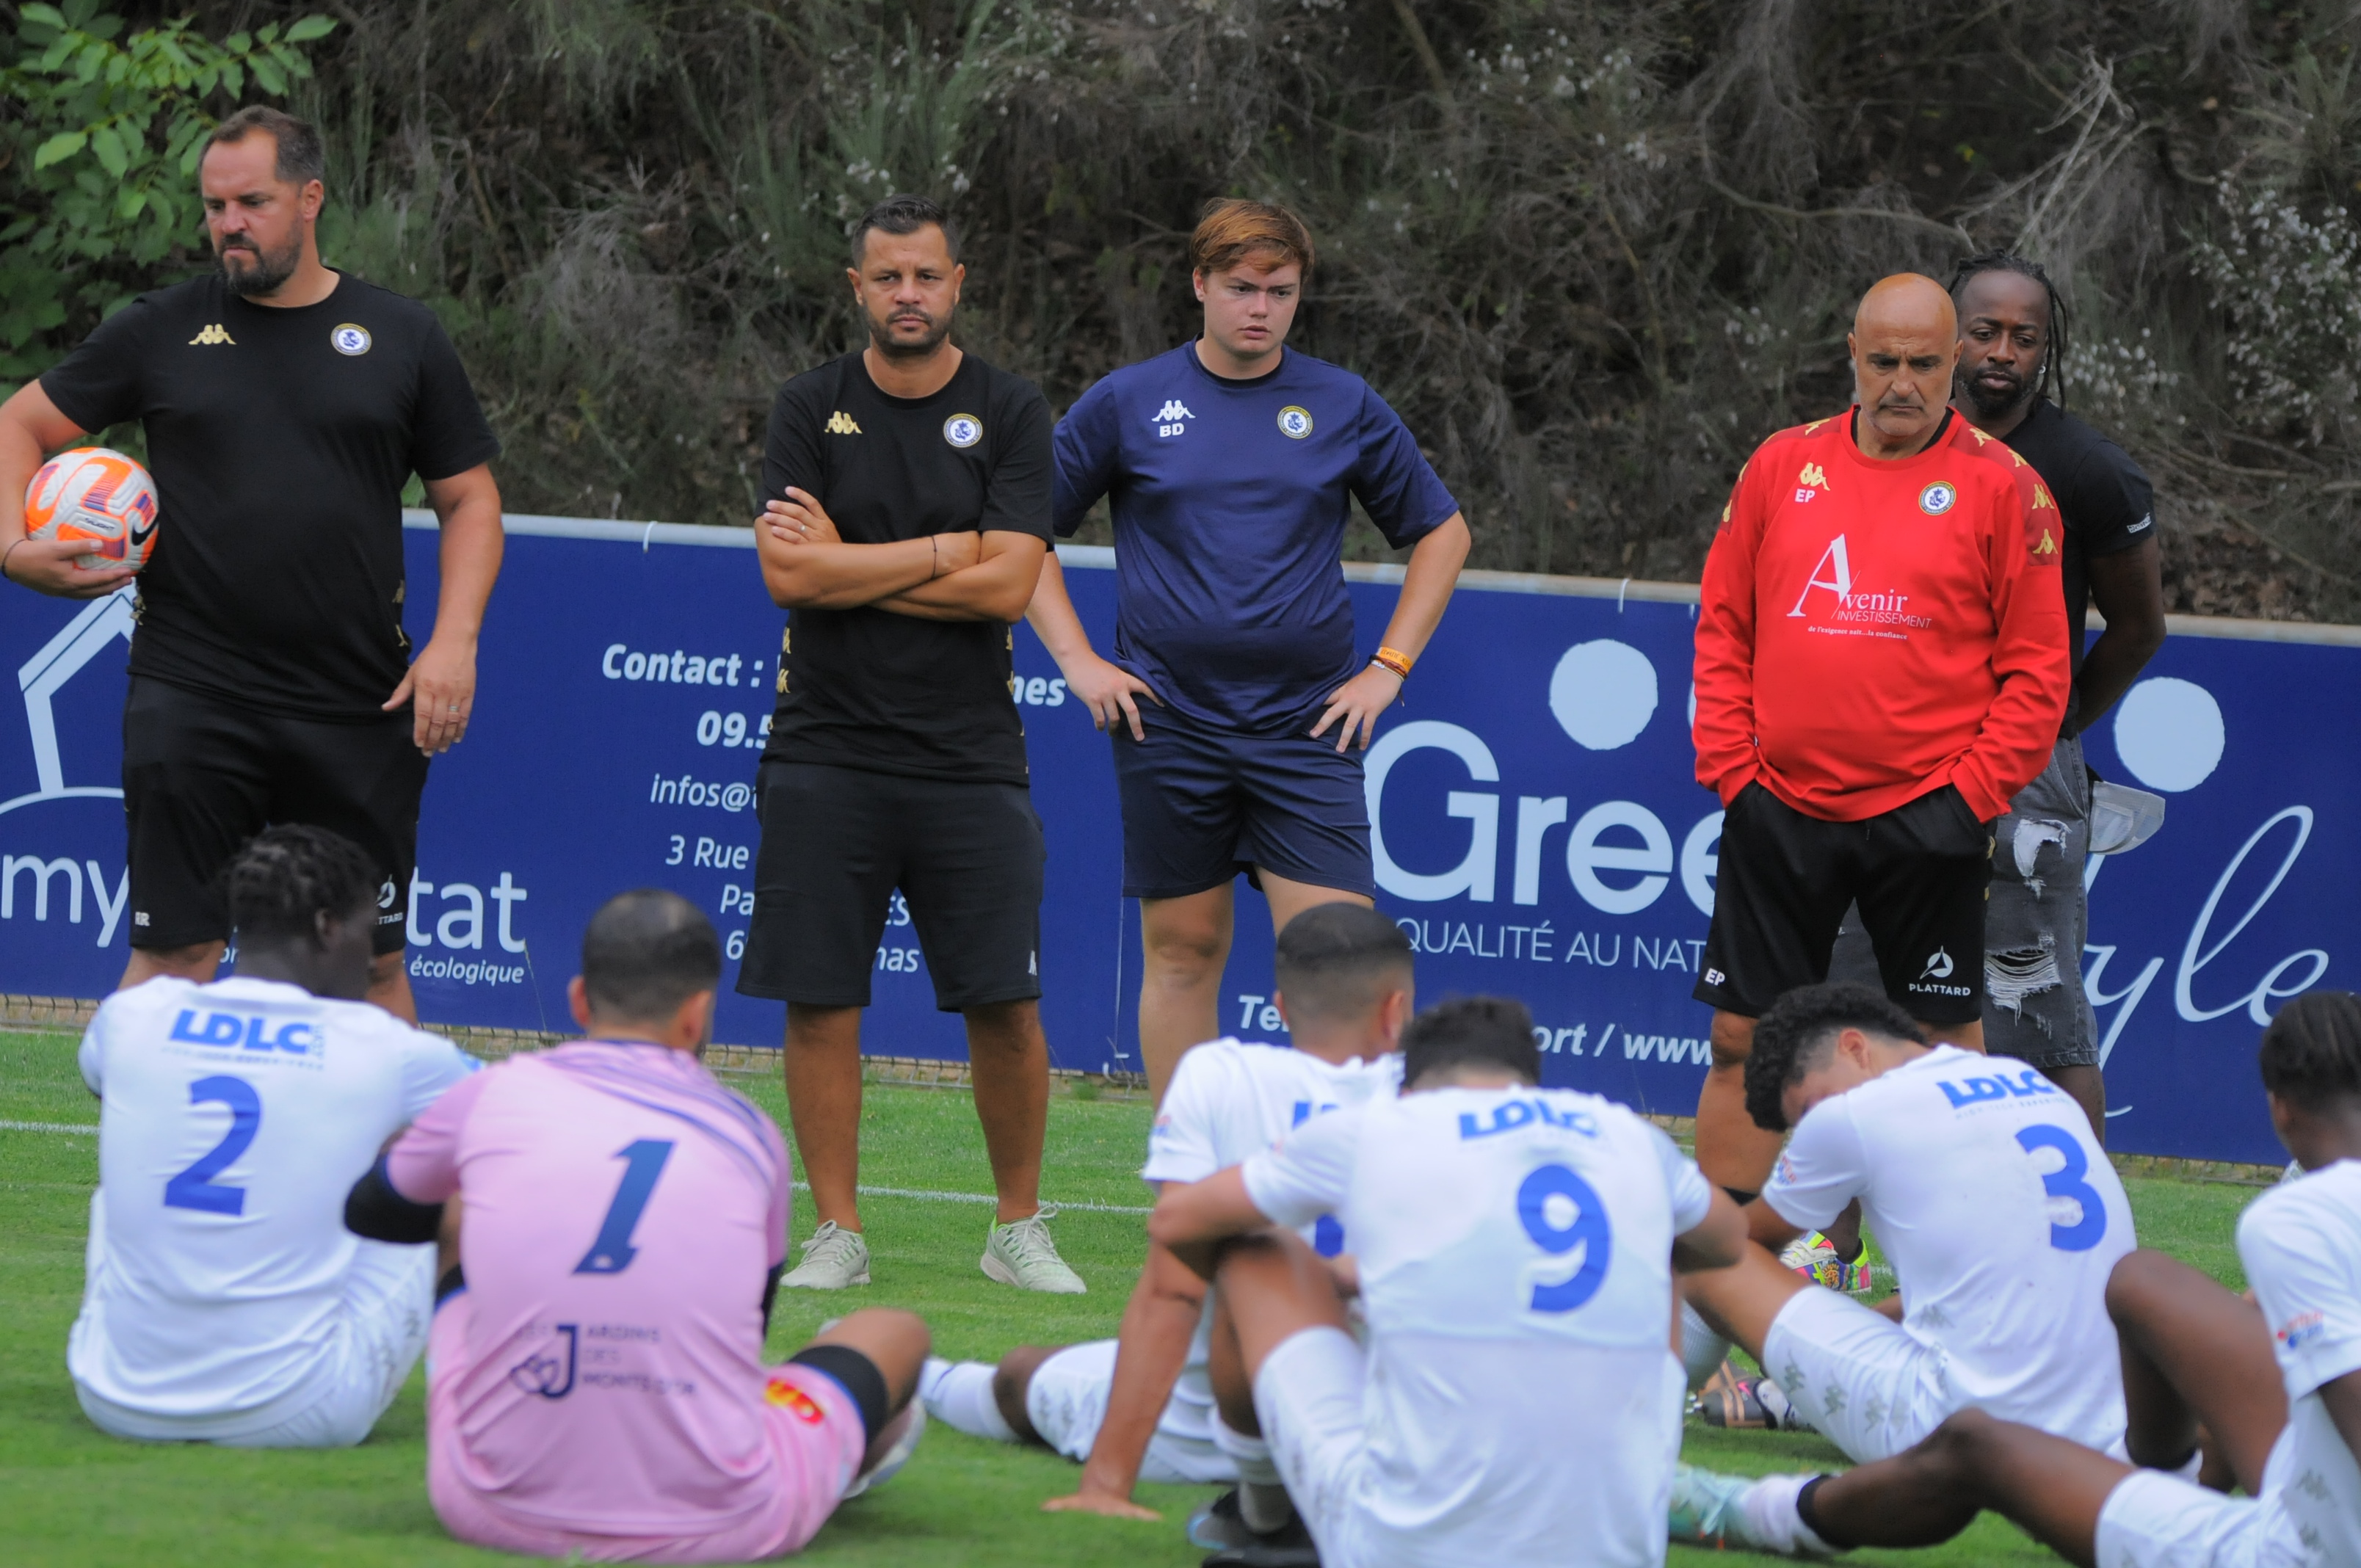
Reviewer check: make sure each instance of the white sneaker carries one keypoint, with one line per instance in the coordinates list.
(1021, 1254)
(833, 1258)
(901, 1435)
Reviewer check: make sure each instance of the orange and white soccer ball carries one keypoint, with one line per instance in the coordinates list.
(94, 494)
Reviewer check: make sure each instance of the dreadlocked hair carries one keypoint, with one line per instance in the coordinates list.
(286, 877)
(2025, 267)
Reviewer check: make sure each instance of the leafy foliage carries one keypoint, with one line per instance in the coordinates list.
(1592, 249)
(103, 152)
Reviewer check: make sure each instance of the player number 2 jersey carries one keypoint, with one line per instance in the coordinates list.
(234, 1118)
(1981, 1181)
(1515, 1258)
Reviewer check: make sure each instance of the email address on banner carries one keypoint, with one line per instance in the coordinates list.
(689, 790)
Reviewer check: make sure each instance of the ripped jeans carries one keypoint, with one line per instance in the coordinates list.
(2035, 1007)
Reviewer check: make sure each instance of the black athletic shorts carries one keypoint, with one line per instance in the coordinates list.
(836, 844)
(1918, 871)
(201, 777)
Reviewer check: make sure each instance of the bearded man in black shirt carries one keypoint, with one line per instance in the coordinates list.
(285, 405)
(2012, 341)
(909, 509)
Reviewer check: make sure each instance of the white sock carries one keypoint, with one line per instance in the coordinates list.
(1769, 1506)
(1250, 1454)
(958, 1395)
(1702, 1350)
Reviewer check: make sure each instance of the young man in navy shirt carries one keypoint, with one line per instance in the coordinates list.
(1231, 466)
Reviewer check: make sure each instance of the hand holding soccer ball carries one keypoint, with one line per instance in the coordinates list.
(90, 522)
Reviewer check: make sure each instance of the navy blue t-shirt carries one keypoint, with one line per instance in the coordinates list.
(1230, 500)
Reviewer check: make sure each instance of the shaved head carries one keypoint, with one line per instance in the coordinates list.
(1904, 343)
(1909, 302)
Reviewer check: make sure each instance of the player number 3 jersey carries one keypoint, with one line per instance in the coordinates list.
(1981, 1180)
(1515, 1260)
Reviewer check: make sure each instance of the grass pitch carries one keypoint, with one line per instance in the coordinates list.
(71, 1496)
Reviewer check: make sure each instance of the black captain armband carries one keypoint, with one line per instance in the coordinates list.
(375, 1211)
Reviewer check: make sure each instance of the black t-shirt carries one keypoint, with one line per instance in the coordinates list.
(865, 688)
(2104, 500)
(281, 440)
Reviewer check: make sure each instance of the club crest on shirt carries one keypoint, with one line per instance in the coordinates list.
(349, 339)
(963, 431)
(1294, 423)
(1937, 499)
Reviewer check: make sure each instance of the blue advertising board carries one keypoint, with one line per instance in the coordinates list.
(1539, 830)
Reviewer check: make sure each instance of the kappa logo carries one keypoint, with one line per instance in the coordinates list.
(1814, 475)
(2048, 546)
(1167, 418)
(2041, 501)
(214, 335)
(841, 424)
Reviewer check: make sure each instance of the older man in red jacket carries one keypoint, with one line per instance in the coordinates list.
(1881, 665)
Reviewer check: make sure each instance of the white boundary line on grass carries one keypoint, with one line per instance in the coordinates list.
(919, 1193)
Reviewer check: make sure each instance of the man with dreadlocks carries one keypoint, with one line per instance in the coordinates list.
(224, 1301)
(2012, 353)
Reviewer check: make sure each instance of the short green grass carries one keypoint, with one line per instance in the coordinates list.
(70, 1496)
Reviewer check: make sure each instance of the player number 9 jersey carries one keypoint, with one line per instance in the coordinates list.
(1524, 1214)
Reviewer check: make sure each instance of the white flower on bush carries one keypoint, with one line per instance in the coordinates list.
(2292, 287)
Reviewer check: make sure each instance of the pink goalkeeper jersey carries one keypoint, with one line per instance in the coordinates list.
(621, 1210)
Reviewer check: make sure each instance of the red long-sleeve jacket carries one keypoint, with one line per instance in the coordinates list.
(1871, 630)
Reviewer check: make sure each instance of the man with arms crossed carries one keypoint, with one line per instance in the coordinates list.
(224, 1301)
(1139, 1405)
(2271, 1386)
(597, 1386)
(1881, 666)
(909, 512)
(1516, 1403)
(1990, 1193)
(286, 405)
(1232, 464)
(2012, 336)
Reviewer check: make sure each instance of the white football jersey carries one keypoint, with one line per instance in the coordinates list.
(1515, 1257)
(2002, 1220)
(1228, 1100)
(234, 1119)
(2300, 1243)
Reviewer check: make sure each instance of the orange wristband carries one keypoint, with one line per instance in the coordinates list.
(1392, 659)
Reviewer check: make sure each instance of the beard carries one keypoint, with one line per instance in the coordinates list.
(264, 271)
(1990, 403)
(910, 349)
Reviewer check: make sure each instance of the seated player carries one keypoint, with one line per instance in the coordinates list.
(1139, 1405)
(1515, 1402)
(2274, 1384)
(596, 1385)
(1984, 1185)
(224, 1301)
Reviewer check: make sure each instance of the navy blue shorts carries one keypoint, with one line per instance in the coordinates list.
(1201, 806)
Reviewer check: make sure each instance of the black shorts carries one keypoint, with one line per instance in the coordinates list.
(1201, 806)
(836, 844)
(1918, 871)
(201, 777)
